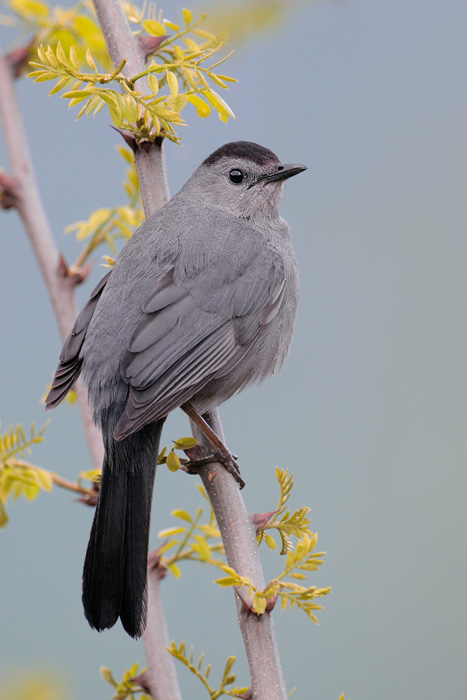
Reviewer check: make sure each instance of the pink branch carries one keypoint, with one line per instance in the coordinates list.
(59, 283)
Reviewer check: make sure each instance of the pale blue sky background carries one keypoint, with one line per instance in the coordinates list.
(370, 411)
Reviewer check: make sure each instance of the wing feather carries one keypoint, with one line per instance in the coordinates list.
(70, 362)
(196, 327)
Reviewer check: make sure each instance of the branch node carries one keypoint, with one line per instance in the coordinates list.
(150, 44)
(89, 499)
(18, 59)
(155, 565)
(78, 275)
(62, 266)
(260, 520)
(142, 681)
(128, 137)
(9, 191)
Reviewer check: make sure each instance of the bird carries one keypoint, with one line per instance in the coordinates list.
(200, 303)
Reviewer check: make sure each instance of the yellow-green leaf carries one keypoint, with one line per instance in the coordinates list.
(177, 103)
(74, 58)
(187, 16)
(73, 94)
(131, 113)
(189, 78)
(185, 443)
(227, 581)
(154, 28)
(205, 34)
(90, 60)
(171, 25)
(175, 570)
(218, 103)
(215, 79)
(182, 514)
(3, 516)
(173, 83)
(51, 57)
(44, 77)
(42, 54)
(59, 86)
(44, 479)
(92, 475)
(259, 603)
(106, 674)
(173, 462)
(227, 78)
(170, 531)
(28, 8)
(61, 54)
(202, 548)
(153, 83)
(202, 107)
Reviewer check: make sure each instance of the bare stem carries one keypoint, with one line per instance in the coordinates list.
(60, 285)
(238, 531)
(160, 678)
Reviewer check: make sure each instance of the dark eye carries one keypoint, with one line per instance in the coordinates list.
(236, 176)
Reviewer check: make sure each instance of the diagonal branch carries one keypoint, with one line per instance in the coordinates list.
(57, 278)
(160, 677)
(236, 525)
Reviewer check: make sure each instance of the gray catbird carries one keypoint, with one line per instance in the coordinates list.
(200, 303)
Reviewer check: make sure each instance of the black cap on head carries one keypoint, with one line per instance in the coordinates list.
(243, 149)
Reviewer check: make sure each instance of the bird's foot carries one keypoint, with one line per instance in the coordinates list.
(220, 452)
(198, 458)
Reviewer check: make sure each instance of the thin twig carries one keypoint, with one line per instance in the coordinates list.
(57, 480)
(60, 285)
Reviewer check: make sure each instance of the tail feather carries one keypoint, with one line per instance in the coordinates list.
(115, 568)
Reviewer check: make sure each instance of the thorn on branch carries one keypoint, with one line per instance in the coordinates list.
(128, 137)
(150, 44)
(9, 191)
(260, 520)
(271, 604)
(247, 606)
(135, 144)
(18, 59)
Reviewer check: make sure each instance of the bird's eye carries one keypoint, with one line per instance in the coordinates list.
(236, 176)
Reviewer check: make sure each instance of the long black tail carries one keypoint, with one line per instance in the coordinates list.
(115, 568)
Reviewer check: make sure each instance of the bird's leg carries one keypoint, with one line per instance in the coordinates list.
(221, 452)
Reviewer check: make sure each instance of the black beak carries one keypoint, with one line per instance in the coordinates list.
(283, 172)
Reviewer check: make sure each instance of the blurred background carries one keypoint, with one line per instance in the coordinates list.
(370, 410)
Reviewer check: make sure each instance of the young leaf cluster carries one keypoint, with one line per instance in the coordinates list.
(49, 24)
(286, 524)
(171, 459)
(228, 678)
(128, 688)
(177, 75)
(108, 225)
(191, 540)
(18, 477)
(302, 559)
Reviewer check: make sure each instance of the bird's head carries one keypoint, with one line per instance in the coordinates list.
(244, 179)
